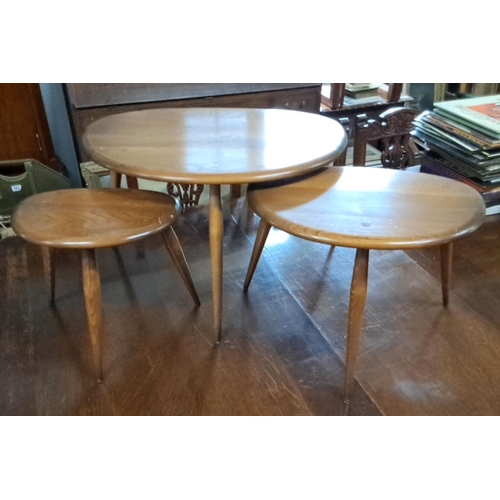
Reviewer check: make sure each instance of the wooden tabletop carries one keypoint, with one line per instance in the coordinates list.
(93, 218)
(213, 145)
(372, 208)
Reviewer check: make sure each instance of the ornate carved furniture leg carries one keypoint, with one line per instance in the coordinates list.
(260, 241)
(216, 231)
(175, 251)
(356, 315)
(187, 194)
(446, 259)
(48, 255)
(92, 292)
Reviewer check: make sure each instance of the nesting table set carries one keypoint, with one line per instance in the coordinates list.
(284, 156)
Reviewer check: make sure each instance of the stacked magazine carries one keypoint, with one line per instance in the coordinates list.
(361, 90)
(464, 136)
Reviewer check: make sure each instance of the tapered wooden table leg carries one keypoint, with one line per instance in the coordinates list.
(216, 235)
(446, 259)
(175, 250)
(356, 316)
(133, 183)
(260, 241)
(92, 292)
(50, 270)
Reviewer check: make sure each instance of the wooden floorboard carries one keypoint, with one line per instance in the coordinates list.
(158, 348)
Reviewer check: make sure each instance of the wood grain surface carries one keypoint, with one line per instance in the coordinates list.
(213, 145)
(93, 218)
(371, 208)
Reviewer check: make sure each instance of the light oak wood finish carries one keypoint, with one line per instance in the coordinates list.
(216, 235)
(93, 218)
(357, 302)
(260, 241)
(92, 294)
(88, 219)
(89, 102)
(369, 208)
(214, 146)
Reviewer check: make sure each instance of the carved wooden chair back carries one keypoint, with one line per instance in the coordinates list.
(392, 132)
(391, 92)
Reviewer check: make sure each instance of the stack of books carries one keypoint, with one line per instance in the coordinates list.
(462, 140)
(361, 90)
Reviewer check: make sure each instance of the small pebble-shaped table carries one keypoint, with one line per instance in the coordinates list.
(368, 209)
(88, 219)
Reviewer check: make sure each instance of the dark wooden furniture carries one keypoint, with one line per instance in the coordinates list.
(24, 131)
(88, 219)
(214, 146)
(336, 104)
(390, 133)
(367, 208)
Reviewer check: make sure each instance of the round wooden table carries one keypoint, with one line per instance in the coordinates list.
(368, 208)
(214, 146)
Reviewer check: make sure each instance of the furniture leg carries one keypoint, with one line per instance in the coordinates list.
(92, 293)
(260, 241)
(446, 259)
(356, 315)
(49, 267)
(216, 232)
(175, 250)
(235, 191)
(132, 182)
(115, 179)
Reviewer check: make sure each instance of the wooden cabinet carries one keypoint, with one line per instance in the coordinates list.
(91, 101)
(24, 132)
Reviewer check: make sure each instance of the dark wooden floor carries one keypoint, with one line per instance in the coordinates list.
(284, 341)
